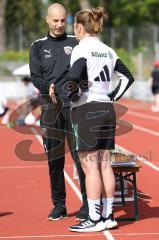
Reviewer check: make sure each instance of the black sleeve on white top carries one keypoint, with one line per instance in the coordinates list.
(76, 74)
(125, 80)
(78, 71)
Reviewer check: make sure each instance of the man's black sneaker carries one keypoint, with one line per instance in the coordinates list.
(110, 222)
(83, 213)
(88, 225)
(57, 213)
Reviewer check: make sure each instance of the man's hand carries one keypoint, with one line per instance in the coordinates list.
(52, 93)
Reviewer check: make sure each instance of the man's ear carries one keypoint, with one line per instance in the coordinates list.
(47, 19)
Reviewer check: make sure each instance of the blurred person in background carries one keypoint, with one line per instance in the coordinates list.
(154, 80)
(30, 101)
(50, 63)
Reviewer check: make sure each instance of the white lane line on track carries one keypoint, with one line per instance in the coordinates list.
(37, 135)
(137, 106)
(22, 167)
(143, 115)
(145, 130)
(143, 194)
(77, 235)
(139, 158)
(52, 236)
(135, 234)
(28, 167)
(106, 233)
(146, 200)
(72, 185)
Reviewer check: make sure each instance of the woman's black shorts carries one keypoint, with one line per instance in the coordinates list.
(94, 126)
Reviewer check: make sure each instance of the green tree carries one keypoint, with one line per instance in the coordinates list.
(85, 4)
(133, 13)
(23, 18)
(71, 6)
(2, 25)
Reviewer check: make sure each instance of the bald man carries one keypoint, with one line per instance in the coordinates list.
(49, 63)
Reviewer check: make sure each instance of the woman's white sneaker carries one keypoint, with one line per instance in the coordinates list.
(110, 222)
(88, 225)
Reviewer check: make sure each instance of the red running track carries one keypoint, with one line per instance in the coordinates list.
(25, 194)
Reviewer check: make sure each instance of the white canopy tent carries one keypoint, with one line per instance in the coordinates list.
(22, 71)
(15, 88)
(19, 73)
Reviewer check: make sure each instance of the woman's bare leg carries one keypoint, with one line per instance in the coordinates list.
(108, 188)
(90, 165)
(107, 173)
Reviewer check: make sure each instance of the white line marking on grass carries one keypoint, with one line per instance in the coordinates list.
(139, 158)
(106, 233)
